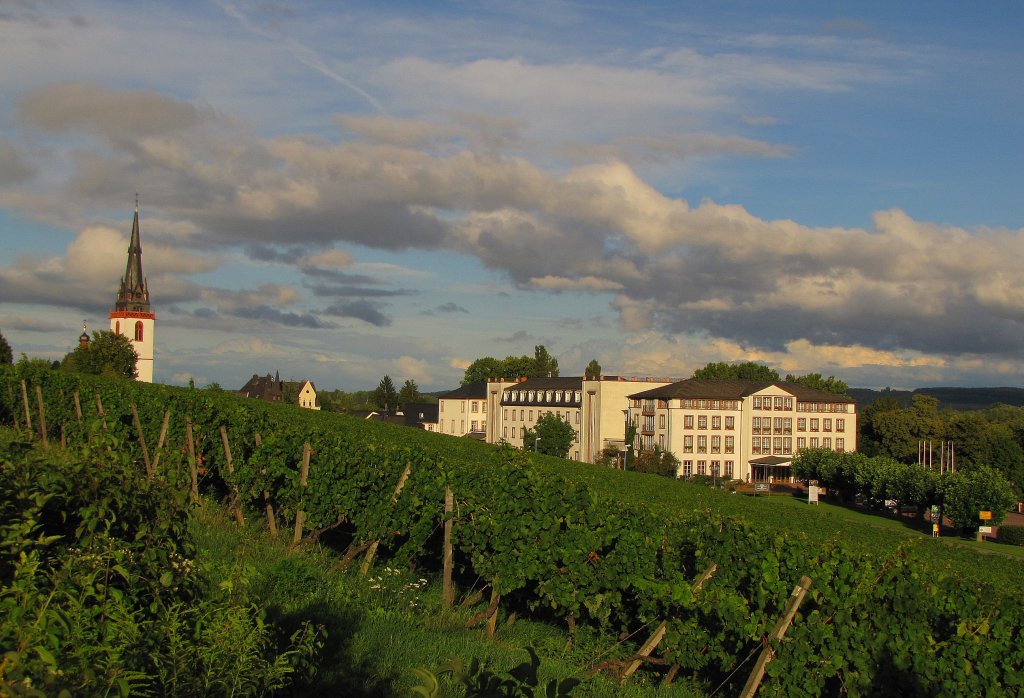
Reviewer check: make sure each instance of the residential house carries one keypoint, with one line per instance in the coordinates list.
(273, 389)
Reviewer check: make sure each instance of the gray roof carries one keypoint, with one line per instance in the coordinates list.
(477, 390)
(734, 389)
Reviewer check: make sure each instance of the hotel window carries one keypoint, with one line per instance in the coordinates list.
(730, 422)
(729, 469)
(475, 406)
(789, 403)
(504, 413)
(702, 422)
(531, 415)
(702, 467)
(716, 444)
(778, 425)
(757, 402)
(755, 445)
(840, 425)
(826, 425)
(716, 422)
(801, 442)
(577, 416)
(687, 444)
(716, 468)
(504, 432)
(755, 427)
(778, 403)
(801, 424)
(826, 442)
(483, 406)
(702, 444)
(814, 424)
(787, 425)
(730, 444)
(462, 404)
(814, 442)
(513, 432)
(840, 444)
(661, 441)
(473, 425)
(787, 445)
(687, 468)
(522, 415)
(661, 421)
(688, 422)
(138, 331)
(766, 444)
(778, 444)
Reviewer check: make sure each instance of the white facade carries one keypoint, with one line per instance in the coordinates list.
(463, 412)
(741, 430)
(139, 328)
(596, 410)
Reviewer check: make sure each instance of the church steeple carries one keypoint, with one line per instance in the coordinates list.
(132, 316)
(133, 296)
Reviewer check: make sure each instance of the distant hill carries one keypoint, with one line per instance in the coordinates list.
(955, 398)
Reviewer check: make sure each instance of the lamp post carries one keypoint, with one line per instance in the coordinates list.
(625, 440)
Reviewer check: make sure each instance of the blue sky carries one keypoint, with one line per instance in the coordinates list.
(339, 191)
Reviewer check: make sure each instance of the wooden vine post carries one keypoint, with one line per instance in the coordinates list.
(100, 411)
(24, 400)
(14, 411)
(271, 519)
(42, 415)
(300, 515)
(78, 407)
(372, 552)
(778, 632)
(142, 442)
(448, 554)
(659, 633)
(160, 441)
(235, 506)
(193, 467)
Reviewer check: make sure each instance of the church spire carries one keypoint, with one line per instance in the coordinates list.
(133, 296)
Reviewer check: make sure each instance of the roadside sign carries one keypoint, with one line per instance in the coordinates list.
(761, 487)
(984, 529)
(985, 515)
(812, 494)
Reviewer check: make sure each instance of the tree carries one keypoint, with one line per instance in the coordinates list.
(593, 371)
(814, 380)
(385, 395)
(965, 495)
(748, 370)
(483, 368)
(656, 462)
(409, 393)
(108, 354)
(545, 365)
(6, 355)
(540, 365)
(556, 436)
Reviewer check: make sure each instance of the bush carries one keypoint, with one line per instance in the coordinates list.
(1011, 535)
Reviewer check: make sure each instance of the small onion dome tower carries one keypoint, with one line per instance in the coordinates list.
(132, 315)
(83, 339)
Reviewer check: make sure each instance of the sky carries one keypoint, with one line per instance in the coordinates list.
(342, 190)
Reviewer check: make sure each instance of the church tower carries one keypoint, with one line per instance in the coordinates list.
(132, 316)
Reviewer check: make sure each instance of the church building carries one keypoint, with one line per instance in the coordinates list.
(132, 315)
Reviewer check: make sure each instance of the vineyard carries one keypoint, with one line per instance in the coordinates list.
(699, 587)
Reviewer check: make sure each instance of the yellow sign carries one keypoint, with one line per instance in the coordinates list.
(985, 515)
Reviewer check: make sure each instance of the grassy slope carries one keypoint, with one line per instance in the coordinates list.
(376, 635)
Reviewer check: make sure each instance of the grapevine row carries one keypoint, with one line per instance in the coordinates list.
(550, 546)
